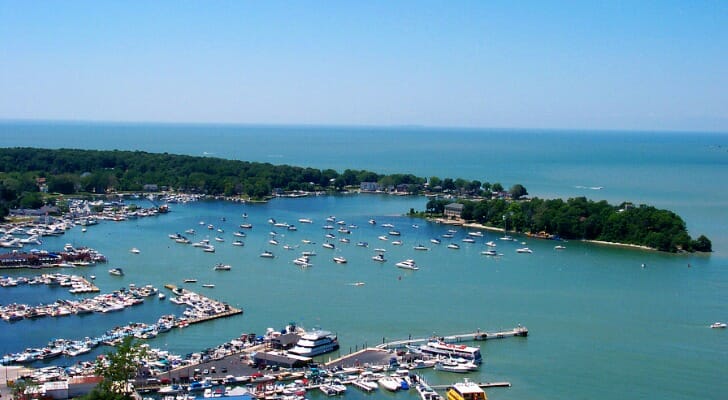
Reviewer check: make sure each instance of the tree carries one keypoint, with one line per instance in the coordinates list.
(497, 187)
(702, 243)
(116, 369)
(517, 191)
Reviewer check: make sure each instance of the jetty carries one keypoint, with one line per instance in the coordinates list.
(519, 331)
(200, 308)
(484, 385)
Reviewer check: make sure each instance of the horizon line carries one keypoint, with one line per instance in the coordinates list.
(356, 126)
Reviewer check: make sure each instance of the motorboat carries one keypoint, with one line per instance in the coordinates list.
(362, 244)
(246, 226)
(435, 241)
(333, 388)
(454, 246)
(426, 392)
(314, 343)
(372, 222)
(267, 254)
(219, 239)
(524, 250)
(397, 243)
(328, 245)
(190, 280)
(718, 325)
(305, 220)
(468, 240)
(489, 253)
(239, 234)
(465, 390)
(407, 264)
(302, 261)
(340, 260)
(209, 249)
(390, 383)
(441, 349)
(379, 257)
(116, 271)
(134, 250)
(491, 244)
(222, 267)
(476, 234)
(559, 247)
(208, 285)
(395, 233)
(162, 296)
(454, 366)
(273, 242)
(238, 243)
(421, 247)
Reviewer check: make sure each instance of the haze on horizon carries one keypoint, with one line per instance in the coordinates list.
(497, 64)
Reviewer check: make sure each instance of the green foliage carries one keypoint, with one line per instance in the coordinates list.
(579, 218)
(517, 191)
(116, 369)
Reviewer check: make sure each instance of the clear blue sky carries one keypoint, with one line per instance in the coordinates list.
(659, 65)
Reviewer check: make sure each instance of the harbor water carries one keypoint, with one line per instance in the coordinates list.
(600, 324)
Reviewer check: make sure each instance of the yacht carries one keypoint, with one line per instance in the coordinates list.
(302, 261)
(397, 243)
(524, 250)
(390, 383)
(435, 241)
(476, 234)
(718, 325)
(340, 260)
(489, 253)
(134, 250)
(222, 267)
(314, 343)
(407, 264)
(465, 390)
(453, 246)
(328, 245)
(116, 271)
(305, 220)
(267, 254)
(440, 348)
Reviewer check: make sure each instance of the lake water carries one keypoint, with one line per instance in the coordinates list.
(600, 325)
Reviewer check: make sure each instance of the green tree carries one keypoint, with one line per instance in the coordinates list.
(517, 191)
(497, 187)
(702, 243)
(116, 369)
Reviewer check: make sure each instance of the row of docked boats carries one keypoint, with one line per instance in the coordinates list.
(103, 303)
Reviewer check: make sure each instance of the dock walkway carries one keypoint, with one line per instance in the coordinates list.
(463, 337)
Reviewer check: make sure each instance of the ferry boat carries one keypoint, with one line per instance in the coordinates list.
(407, 264)
(465, 390)
(315, 343)
(440, 348)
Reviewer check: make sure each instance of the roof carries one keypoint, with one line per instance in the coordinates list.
(454, 206)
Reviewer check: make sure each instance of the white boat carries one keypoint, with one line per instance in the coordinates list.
(340, 260)
(238, 243)
(435, 241)
(267, 254)
(222, 267)
(208, 285)
(162, 296)
(305, 220)
(468, 240)
(407, 264)
(116, 271)
(453, 366)
(453, 246)
(134, 250)
(209, 249)
(190, 280)
(559, 247)
(315, 343)
(239, 234)
(302, 261)
(273, 242)
(524, 250)
(440, 348)
(489, 253)
(372, 221)
(333, 388)
(219, 239)
(383, 238)
(475, 234)
(391, 383)
(426, 392)
(421, 247)
(491, 244)
(379, 257)
(387, 225)
(397, 243)
(328, 245)
(395, 233)
(718, 325)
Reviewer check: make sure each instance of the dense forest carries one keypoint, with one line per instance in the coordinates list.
(579, 218)
(27, 174)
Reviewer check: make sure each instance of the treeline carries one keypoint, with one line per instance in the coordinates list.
(579, 218)
(68, 171)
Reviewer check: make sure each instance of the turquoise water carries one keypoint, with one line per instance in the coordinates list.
(600, 324)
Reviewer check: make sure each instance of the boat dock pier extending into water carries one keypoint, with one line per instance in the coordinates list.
(195, 301)
(463, 337)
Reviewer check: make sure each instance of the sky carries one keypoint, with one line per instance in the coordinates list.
(622, 65)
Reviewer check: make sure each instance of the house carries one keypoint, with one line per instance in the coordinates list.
(150, 187)
(369, 186)
(453, 210)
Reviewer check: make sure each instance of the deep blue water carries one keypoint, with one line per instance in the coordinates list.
(601, 326)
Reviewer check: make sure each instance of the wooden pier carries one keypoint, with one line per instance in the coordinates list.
(229, 310)
(521, 331)
(484, 385)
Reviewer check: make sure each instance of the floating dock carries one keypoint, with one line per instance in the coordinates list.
(521, 331)
(484, 385)
(225, 310)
